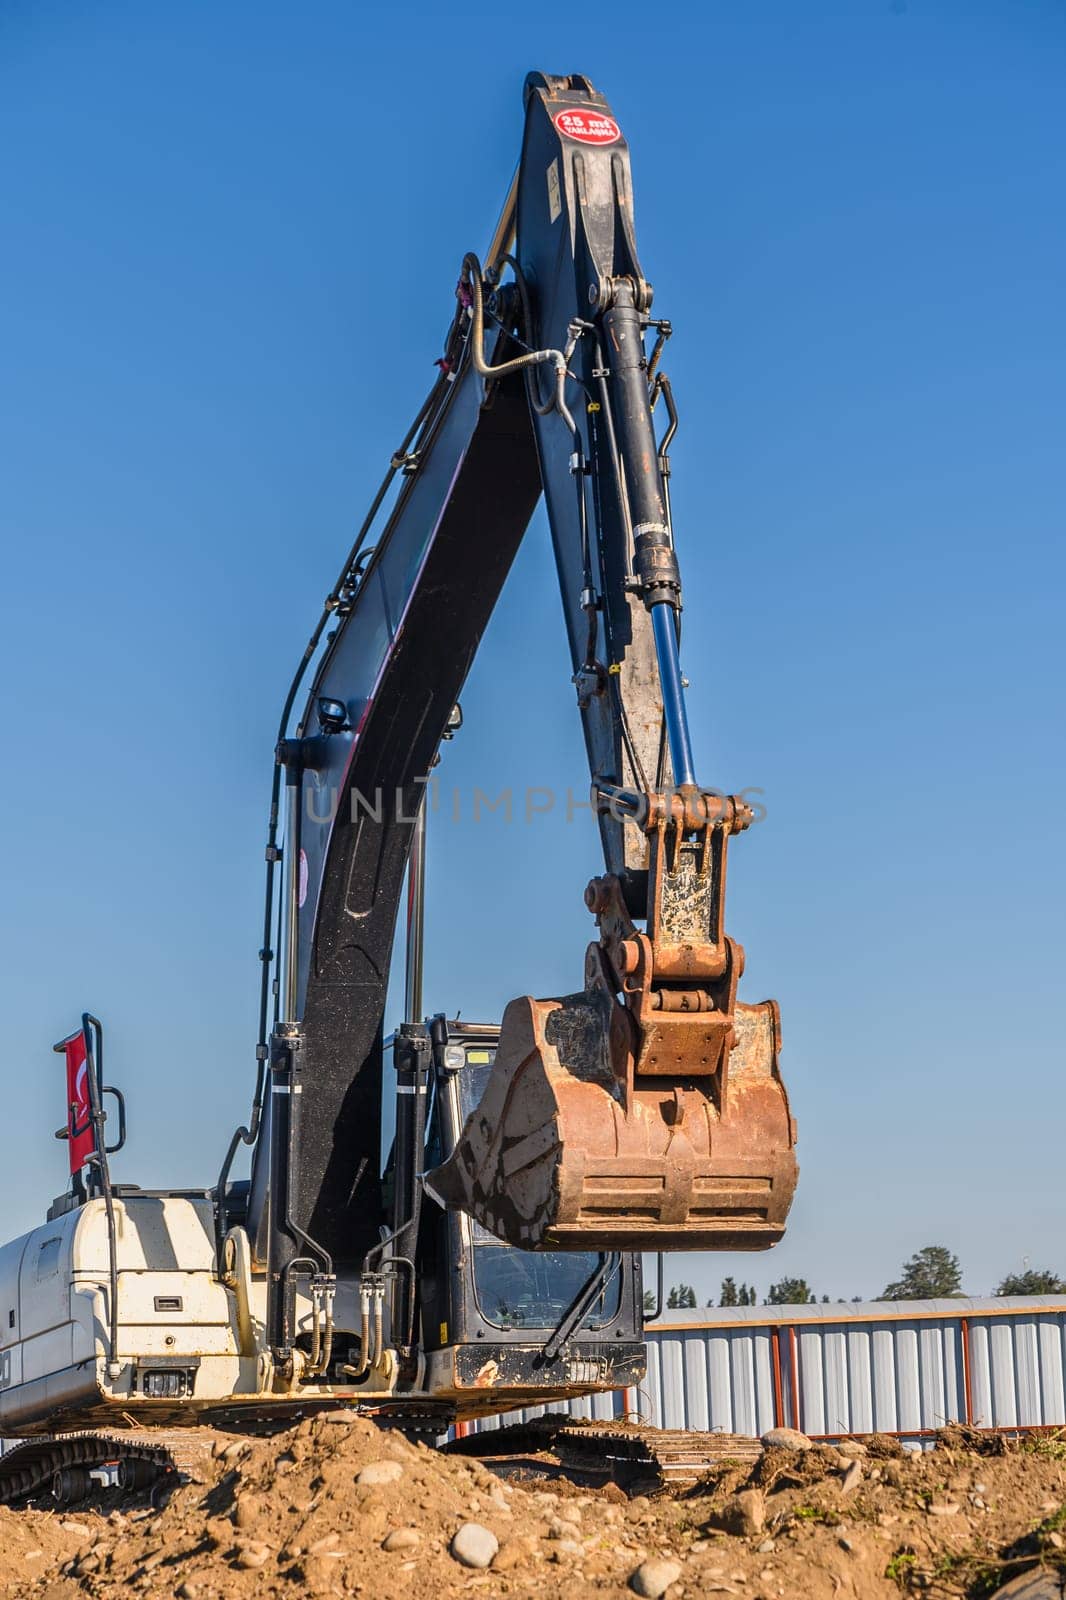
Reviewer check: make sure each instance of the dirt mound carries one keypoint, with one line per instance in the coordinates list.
(337, 1506)
(38, 1543)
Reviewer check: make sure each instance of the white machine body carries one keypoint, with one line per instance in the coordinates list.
(188, 1340)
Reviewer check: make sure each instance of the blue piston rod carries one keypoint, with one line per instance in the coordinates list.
(646, 508)
(664, 627)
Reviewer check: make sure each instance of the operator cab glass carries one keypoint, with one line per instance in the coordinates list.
(527, 1288)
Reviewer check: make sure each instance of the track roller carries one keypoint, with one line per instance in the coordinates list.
(71, 1484)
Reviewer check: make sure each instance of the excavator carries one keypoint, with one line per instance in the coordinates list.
(492, 1259)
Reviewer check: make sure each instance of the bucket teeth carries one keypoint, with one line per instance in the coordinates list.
(571, 1149)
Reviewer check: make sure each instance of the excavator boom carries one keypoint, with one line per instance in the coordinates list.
(646, 1110)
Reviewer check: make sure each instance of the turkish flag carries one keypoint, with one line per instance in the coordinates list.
(82, 1141)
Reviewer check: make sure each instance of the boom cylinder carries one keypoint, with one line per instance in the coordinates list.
(664, 626)
(283, 1249)
(416, 913)
(293, 795)
(654, 559)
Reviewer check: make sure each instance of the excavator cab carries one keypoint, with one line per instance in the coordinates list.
(496, 1318)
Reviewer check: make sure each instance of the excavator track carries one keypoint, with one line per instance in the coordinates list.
(638, 1457)
(38, 1466)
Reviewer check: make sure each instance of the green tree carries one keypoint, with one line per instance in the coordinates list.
(747, 1294)
(681, 1297)
(649, 1300)
(1032, 1282)
(932, 1273)
(789, 1292)
(729, 1295)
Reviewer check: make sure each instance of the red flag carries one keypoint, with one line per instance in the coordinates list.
(82, 1140)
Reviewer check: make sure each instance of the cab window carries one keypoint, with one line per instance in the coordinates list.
(527, 1288)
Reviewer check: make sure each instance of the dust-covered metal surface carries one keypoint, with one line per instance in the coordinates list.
(557, 1154)
(647, 1111)
(644, 1458)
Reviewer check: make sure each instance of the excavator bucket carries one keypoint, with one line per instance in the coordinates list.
(648, 1112)
(559, 1156)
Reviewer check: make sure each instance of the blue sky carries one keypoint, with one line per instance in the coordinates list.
(231, 236)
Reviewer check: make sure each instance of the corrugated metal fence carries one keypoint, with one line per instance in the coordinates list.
(904, 1368)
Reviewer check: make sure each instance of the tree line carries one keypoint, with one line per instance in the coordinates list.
(932, 1273)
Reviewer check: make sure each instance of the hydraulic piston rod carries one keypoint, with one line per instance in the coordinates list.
(654, 560)
(664, 626)
(416, 912)
(291, 953)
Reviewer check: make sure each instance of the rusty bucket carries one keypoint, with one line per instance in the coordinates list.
(573, 1148)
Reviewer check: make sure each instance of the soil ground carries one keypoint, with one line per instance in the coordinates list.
(300, 1513)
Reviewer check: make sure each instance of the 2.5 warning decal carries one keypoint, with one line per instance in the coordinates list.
(587, 127)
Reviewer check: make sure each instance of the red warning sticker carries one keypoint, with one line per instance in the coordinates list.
(588, 127)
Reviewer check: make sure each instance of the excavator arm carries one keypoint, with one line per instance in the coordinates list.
(646, 1110)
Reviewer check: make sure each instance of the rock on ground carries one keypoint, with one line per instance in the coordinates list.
(786, 1439)
(474, 1546)
(743, 1514)
(652, 1578)
(402, 1539)
(376, 1472)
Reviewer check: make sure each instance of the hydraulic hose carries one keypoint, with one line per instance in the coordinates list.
(313, 1368)
(364, 1336)
(560, 360)
(248, 1134)
(541, 407)
(327, 1339)
(379, 1328)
